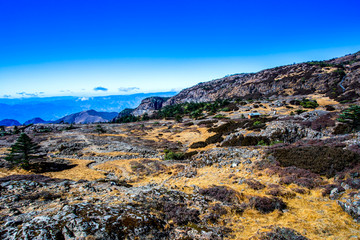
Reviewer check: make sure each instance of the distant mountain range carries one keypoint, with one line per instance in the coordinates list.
(84, 117)
(54, 108)
(90, 116)
(35, 121)
(9, 122)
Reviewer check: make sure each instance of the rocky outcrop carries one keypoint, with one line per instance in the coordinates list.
(39, 207)
(149, 105)
(352, 206)
(295, 79)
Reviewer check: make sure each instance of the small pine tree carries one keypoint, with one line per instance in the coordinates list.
(99, 129)
(351, 115)
(16, 130)
(23, 150)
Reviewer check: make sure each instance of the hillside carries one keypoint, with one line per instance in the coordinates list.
(90, 116)
(284, 166)
(298, 79)
(9, 122)
(35, 121)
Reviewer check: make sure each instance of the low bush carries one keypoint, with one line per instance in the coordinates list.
(266, 204)
(323, 160)
(198, 145)
(329, 108)
(278, 192)
(342, 128)
(229, 127)
(170, 155)
(222, 194)
(281, 233)
(214, 139)
(322, 122)
(246, 141)
(301, 177)
(180, 214)
(306, 103)
(254, 184)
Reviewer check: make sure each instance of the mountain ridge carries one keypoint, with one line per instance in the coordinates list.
(89, 116)
(53, 108)
(337, 78)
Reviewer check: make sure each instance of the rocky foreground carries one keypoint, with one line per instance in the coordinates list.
(280, 176)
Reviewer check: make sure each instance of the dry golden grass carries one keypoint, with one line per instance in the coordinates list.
(186, 136)
(310, 214)
(281, 76)
(121, 168)
(322, 100)
(116, 154)
(109, 134)
(16, 171)
(80, 171)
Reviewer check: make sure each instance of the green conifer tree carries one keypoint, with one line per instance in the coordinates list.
(351, 116)
(23, 150)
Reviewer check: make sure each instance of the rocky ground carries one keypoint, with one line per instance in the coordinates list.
(282, 176)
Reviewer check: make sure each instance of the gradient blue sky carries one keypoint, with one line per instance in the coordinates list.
(89, 48)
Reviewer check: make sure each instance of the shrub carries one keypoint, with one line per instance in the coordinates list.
(256, 123)
(170, 155)
(301, 177)
(219, 116)
(266, 204)
(180, 214)
(323, 160)
(246, 141)
(229, 127)
(342, 129)
(329, 108)
(254, 184)
(99, 129)
(198, 145)
(281, 233)
(300, 111)
(178, 118)
(306, 103)
(214, 139)
(322, 122)
(222, 194)
(216, 212)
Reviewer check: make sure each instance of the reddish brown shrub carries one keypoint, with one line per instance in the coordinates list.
(222, 194)
(267, 205)
(254, 184)
(180, 214)
(299, 176)
(324, 160)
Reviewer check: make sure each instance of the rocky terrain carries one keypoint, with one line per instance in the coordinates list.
(337, 78)
(213, 170)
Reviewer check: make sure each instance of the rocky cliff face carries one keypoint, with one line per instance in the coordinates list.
(338, 78)
(149, 105)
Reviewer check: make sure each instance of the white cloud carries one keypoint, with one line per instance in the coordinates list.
(128, 89)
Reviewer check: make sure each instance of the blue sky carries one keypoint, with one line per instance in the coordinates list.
(89, 48)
